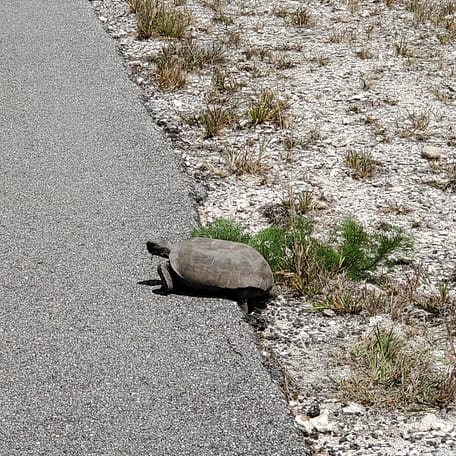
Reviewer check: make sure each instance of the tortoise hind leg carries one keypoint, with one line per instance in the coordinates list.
(243, 300)
(251, 299)
(164, 271)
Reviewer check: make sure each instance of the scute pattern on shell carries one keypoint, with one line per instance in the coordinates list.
(213, 263)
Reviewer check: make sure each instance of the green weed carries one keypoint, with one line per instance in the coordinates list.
(361, 253)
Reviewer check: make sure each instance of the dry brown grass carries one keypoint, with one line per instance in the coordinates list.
(414, 124)
(247, 160)
(155, 18)
(439, 12)
(390, 372)
(169, 73)
(134, 5)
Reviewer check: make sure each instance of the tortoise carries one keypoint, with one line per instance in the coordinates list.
(217, 266)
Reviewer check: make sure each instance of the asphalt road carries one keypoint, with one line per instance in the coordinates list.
(91, 361)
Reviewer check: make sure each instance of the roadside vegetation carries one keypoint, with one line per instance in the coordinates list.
(304, 263)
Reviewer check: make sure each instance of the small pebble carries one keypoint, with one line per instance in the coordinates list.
(313, 410)
(431, 152)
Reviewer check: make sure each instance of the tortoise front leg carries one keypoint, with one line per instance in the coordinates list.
(164, 271)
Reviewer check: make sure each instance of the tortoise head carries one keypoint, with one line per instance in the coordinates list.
(157, 249)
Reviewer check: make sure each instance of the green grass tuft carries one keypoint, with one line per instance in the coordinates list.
(223, 229)
(390, 373)
(267, 107)
(213, 119)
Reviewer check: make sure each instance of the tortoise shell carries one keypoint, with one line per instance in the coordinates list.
(216, 264)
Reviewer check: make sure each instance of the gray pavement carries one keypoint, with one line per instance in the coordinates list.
(91, 361)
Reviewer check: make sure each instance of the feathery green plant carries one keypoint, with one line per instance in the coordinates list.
(300, 260)
(223, 229)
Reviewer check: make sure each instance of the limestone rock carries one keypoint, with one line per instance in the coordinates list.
(320, 423)
(354, 409)
(431, 152)
(431, 422)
